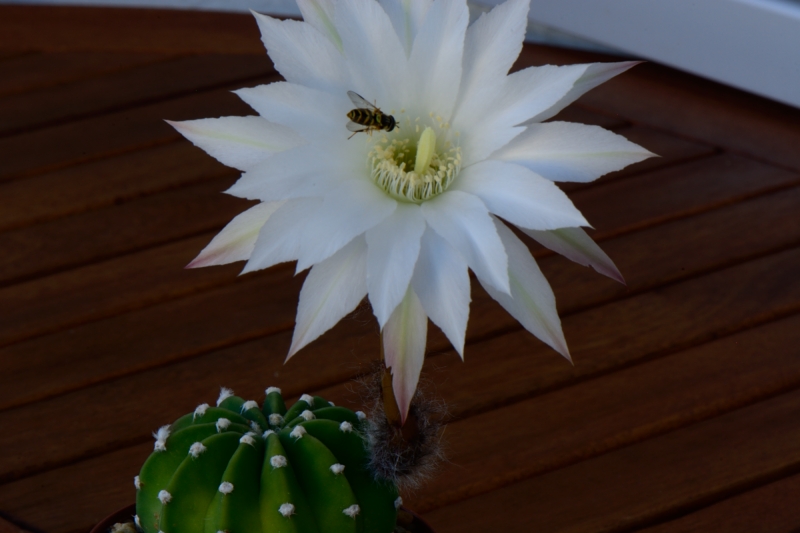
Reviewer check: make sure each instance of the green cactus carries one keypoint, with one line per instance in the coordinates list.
(236, 468)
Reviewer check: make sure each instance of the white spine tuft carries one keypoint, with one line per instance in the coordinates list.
(161, 437)
(361, 416)
(249, 404)
(275, 419)
(337, 468)
(196, 449)
(270, 390)
(331, 403)
(346, 427)
(226, 487)
(308, 415)
(164, 497)
(137, 521)
(398, 502)
(308, 399)
(200, 410)
(267, 433)
(278, 461)
(298, 432)
(223, 424)
(286, 509)
(255, 427)
(248, 439)
(224, 392)
(137, 482)
(352, 511)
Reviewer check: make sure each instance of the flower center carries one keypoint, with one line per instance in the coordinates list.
(415, 164)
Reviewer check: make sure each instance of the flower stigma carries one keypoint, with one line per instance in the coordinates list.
(415, 164)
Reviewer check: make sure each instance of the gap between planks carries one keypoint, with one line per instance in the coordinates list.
(152, 83)
(101, 137)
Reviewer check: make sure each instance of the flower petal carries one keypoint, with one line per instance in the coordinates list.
(594, 75)
(406, 17)
(376, 60)
(576, 245)
(441, 281)
(300, 172)
(464, 222)
(280, 237)
(491, 46)
(312, 113)
(238, 142)
(349, 210)
(435, 61)
(563, 151)
(531, 301)
(518, 195)
(494, 122)
(236, 240)
(404, 338)
(319, 13)
(332, 289)
(303, 55)
(393, 248)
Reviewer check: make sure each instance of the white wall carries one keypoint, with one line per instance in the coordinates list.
(750, 44)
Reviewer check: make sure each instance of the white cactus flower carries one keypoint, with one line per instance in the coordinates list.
(400, 216)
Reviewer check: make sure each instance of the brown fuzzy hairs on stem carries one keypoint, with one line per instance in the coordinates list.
(405, 454)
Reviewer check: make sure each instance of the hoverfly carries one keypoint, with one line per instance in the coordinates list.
(367, 117)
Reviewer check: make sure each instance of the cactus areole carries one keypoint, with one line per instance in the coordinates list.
(241, 468)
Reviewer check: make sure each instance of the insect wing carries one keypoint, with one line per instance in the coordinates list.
(356, 127)
(359, 101)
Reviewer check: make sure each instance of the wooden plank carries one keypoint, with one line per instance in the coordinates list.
(5, 55)
(687, 105)
(8, 527)
(98, 487)
(70, 28)
(656, 323)
(678, 191)
(178, 329)
(637, 402)
(115, 133)
(523, 365)
(104, 183)
(29, 72)
(683, 248)
(642, 484)
(170, 391)
(104, 233)
(487, 316)
(108, 288)
(575, 423)
(772, 508)
(169, 78)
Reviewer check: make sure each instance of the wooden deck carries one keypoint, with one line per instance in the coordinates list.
(682, 412)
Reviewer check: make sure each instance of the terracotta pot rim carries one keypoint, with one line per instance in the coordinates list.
(128, 511)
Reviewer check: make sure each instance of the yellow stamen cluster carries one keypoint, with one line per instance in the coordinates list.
(415, 171)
